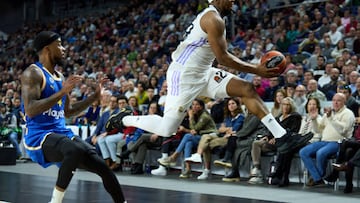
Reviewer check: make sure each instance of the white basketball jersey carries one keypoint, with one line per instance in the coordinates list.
(195, 50)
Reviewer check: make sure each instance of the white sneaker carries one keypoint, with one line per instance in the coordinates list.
(256, 180)
(196, 158)
(161, 171)
(204, 175)
(255, 172)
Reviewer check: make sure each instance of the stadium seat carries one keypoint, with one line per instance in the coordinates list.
(293, 49)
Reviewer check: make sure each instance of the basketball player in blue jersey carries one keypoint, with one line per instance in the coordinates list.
(190, 75)
(45, 94)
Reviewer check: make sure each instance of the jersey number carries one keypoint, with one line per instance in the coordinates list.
(188, 30)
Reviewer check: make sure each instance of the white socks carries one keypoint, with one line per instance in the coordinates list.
(275, 128)
(164, 155)
(57, 196)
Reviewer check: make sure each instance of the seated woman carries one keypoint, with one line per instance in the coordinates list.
(141, 141)
(200, 123)
(234, 119)
(288, 119)
(283, 161)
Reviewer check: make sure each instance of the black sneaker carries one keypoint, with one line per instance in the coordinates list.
(137, 169)
(115, 120)
(125, 154)
(234, 176)
(291, 141)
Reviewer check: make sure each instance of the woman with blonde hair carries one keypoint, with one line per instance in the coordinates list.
(278, 96)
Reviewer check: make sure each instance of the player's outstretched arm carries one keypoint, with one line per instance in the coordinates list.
(78, 107)
(214, 26)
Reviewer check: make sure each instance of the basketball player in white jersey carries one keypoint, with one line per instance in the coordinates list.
(190, 75)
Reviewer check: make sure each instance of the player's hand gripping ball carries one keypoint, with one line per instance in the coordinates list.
(274, 59)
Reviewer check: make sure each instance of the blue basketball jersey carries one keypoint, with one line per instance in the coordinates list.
(49, 121)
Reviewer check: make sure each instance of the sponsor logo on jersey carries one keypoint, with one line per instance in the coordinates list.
(54, 113)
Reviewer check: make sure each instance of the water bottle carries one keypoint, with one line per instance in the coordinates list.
(80, 128)
(336, 185)
(147, 169)
(305, 177)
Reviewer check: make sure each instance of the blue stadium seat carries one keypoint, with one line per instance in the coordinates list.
(293, 49)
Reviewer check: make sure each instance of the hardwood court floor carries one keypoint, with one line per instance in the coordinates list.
(29, 183)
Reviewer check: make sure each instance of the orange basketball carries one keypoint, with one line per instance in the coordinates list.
(274, 59)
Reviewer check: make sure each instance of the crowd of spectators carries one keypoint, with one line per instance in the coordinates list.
(132, 45)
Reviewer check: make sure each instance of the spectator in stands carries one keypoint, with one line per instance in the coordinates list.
(349, 38)
(154, 83)
(356, 43)
(163, 92)
(354, 59)
(291, 77)
(258, 86)
(17, 111)
(345, 73)
(290, 89)
(233, 122)
(339, 64)
(141, 95)
(283, 161)
(327, 48)
(92, 115)
(268, 44)
(120, 145)
(353, 76)
(289, 63)
(270, 91)
(312, 58)
(299, 67)
(339, 48)
(292, 33)
(307, 46)
(320, 67)
(356, 94)
(170, 144)
(326, 77)
(132, 101)
(334, 34)
(200, 123)
(152, 97)
(290, 120)
(131, 91)
(313, 91)
(280, 94)
(8, 126)
(302, 30)
(308, 75)
(317, 21)
(251, 128)
(104, 102)
(347, 158)
(331, 88)
(140, 142)
(107, 142)
(336, 124)
(300, 99)
(351, 102)
(283, 43)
